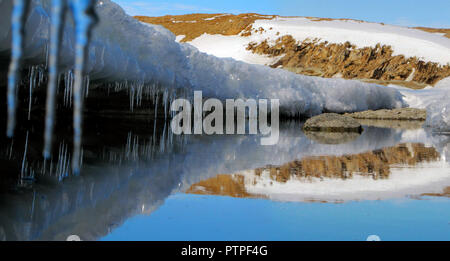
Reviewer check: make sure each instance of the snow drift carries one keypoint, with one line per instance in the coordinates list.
(409, 42)
(125, 50)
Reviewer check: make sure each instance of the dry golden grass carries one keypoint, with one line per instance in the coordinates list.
(194, 25)
(446, 32)
(228, 24)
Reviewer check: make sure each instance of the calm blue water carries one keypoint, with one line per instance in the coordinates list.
(193, 217)
(132, 188)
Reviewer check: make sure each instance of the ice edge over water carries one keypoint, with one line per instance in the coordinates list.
(125, 50)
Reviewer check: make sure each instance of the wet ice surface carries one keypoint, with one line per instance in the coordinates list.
(133, 181)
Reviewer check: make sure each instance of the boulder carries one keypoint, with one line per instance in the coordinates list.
(332, 122)
(404, 114)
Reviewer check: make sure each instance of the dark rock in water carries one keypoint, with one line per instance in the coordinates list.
(332, 122)
(323, 137)
(405, 114)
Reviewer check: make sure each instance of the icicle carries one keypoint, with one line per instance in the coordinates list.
(165, 100)
(162, 141)
(154, 121)
(84, 17)
(19, 16)
(56, 31)
(131, 90)
(87, 86)
(68, 85)
(22, 172)
(32, 83)
(32, 205)
(11, 149)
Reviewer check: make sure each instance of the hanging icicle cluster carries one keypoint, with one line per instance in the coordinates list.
(74, 80)
(19, 17)
(84, 18)
(155, 93)
(35, 78)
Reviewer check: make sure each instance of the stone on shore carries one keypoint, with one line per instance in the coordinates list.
(332, 122)
(405, 114)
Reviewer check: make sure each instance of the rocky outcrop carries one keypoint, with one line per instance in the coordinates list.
(408, 114)
(312, 57)
(332, 122)
(376, 65)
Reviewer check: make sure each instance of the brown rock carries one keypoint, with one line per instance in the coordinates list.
(332, 122)
(408, 114)
(377, 65)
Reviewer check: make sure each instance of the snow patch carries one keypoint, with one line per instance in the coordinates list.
(180, 38)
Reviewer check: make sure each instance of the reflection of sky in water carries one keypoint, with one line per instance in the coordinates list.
(192, 217)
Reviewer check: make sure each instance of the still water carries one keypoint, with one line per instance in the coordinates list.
(140, 182)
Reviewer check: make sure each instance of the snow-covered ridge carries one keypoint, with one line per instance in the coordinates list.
(123, 49)
(426, 46)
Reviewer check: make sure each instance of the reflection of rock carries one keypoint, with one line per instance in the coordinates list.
(393, 124)
(375, 165)
(408, 114)
(332, 122)
(445, 193)
(229, 185)
(332, 137)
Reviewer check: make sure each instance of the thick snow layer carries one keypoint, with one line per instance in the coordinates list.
(123, 49)
(429, 47)
(232, 46)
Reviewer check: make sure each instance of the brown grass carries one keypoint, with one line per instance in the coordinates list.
(446, 32)
(225, 24)
(228, 24)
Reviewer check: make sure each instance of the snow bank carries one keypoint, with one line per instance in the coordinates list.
(429, 47)
(123, 49)
(435, 100)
